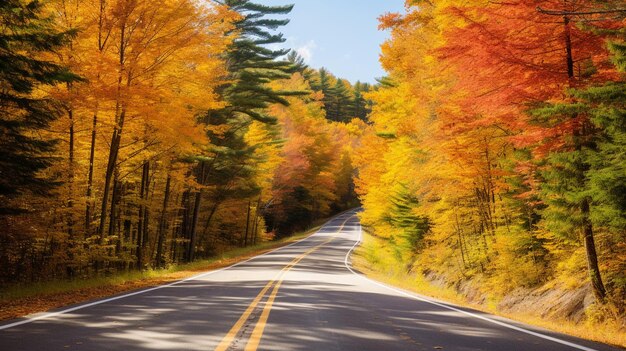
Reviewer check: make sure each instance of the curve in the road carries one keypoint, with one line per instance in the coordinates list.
(452, 308)
(317, 302)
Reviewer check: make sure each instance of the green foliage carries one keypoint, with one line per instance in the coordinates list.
(584, 178)
(342, 101)
(593, 166)
(252, 65)
(607, 160)
(411, 226)
(25, 39)
(361, 106)
(298, 63)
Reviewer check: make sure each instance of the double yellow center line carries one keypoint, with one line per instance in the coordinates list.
(257, 332)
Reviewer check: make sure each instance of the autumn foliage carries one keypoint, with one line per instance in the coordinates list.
(490, 134)
(164, 141)
(137, 136)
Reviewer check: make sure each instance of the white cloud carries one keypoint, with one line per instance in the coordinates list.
(306, 51)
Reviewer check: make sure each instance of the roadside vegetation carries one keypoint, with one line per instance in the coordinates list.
(136, 137)
(374, 259)
(138, 142)
(494, 164)
(24, 299)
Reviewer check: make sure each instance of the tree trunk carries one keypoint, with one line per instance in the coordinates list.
(146, 208)
(142, 223)
(192, 230)
(209, 218)
(70, 201)
(194, 221)
(115, 197)
(163, 224)
(592, 256)
(568, 47)
(181, 230)
(92, 148)
(92, 151)
(245, 238)
(116, 137)
(255, 223)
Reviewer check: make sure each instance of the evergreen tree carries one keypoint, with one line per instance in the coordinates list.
(25, 37)
(322, 81)
(342, 103)
(252, 65)
(411, 226)
(361, 106)
(585, 182)
(297, 62)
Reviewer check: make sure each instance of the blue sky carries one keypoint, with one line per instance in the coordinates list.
(341, 35)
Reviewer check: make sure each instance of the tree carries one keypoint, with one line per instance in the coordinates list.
(251, 67)
(324, 82)
(342, 104)
(584, 175)
(26, 42)
(298, 62)
(167, 60)
(361, 106)
(506, 193)
(310, 181)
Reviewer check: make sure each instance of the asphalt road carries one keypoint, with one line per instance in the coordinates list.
(300, 297)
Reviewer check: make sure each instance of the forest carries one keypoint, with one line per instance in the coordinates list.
(136, 137)
(496, 151)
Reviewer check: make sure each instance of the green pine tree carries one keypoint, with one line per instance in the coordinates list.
(411, 226)
(227, 168)
(361, 107)
(342, 104)
(252, 65)
(297, 62)
(322, 82)
(24, 38)
(585, 181)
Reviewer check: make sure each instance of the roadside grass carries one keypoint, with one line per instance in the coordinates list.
(24, 299)
(370, 259)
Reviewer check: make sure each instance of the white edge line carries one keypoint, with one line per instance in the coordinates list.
(415, 297)
(72, 309)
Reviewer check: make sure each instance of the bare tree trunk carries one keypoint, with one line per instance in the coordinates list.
(92, 152)
(592, 257)
(141, 224)
(255, 229)
(207, 224)
(116, 137)
(245, 238)
(146, 209)
(92, 148)
(181, 230)
(568, 47)
(191, 248)
(160, 261)
(194, 221)
(115, 197)
(70, 201)
(255, 226)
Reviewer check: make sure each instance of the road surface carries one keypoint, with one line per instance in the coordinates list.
(300, 297)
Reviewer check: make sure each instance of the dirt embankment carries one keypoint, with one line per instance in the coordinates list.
(549, 301)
